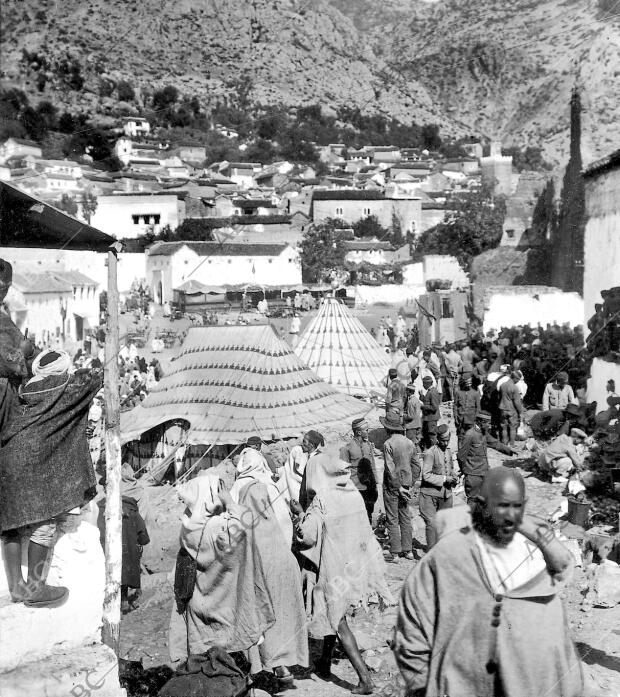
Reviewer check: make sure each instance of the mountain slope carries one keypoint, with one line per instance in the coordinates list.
(506, 69)
(486, 67)
(285, 52)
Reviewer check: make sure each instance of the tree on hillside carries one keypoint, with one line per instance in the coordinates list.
(125, 90)
(370, 227)
(322, 251)
(165, 97)
(67, 204)
(89, 205)
(472, 224)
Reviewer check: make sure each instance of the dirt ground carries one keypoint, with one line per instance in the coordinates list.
(144, 631)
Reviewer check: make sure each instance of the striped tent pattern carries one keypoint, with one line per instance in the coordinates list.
(342, 352)
(233, 382)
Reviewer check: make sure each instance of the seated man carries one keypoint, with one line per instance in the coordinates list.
(560, 457)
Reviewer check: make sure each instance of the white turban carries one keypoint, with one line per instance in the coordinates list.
(58, 366)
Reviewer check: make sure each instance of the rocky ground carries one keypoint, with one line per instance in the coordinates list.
(144, 631)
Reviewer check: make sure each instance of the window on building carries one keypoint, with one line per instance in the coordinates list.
(510, 234)
(339, 211)
(366, 212)
(271, 261)
(446, 308)
(156, 218)
(135, 219)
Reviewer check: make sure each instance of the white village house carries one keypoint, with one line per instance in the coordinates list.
(127, 216)
(170, 264)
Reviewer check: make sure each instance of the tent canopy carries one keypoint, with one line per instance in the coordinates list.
(233, 382)
(193, 287)
(29, 222)
(342, 352)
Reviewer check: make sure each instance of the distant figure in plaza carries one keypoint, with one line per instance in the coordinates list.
(338, 543)
(438, 480)
(481, 615)
(431, 400)
(400, 473)
(166, 310)
(295, 324)
(359, 454)
(560, 457)
(262, 306)
(558, 394)
(511, 409)
(472, 454)
(396, 394)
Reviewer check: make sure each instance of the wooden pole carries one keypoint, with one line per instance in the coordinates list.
(113, 516)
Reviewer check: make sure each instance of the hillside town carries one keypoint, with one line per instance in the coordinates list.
(340, 425)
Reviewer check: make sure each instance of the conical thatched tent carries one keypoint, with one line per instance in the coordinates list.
(232, 382)
(342, 352)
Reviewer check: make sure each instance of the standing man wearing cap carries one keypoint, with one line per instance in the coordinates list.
(395, 395)
(466, 407)
(430, 412)
(413, 416)
(472, 453)
(399, 475)
(359, 454)
(511, 408)
(438, 479)
(558, 393)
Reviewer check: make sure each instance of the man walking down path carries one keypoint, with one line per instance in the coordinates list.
(430, 412)
(438, 479)
(472, 454)
(481, 614)
(511, 408)
(401, 471)
(359, 453)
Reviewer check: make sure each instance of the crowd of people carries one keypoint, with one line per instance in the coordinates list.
(289, 552)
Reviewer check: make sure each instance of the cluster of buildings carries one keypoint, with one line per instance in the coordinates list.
(253, 215)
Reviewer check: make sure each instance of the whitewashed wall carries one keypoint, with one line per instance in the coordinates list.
(402, 294)
(602, 238)
(445, 267)
(600, 372)
(507, 309)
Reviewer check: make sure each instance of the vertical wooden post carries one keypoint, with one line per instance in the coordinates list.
(113, 516)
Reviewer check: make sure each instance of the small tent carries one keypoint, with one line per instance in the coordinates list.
(342, 351)
(232, 382)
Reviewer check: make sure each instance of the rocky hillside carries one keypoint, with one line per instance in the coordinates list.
(505, 69)
(489, 67)
(277, 51)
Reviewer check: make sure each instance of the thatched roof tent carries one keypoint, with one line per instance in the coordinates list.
(232, 382)
(342, 351)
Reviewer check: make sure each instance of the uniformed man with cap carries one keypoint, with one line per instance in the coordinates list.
(472, 454)
(359, 453)
(438, 480)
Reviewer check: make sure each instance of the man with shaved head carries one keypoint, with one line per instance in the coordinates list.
(481, 613)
